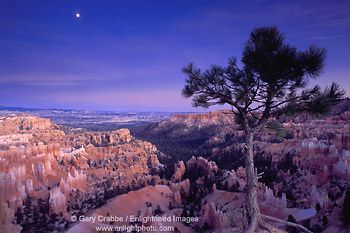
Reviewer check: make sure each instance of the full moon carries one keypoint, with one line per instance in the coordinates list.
(77, 15)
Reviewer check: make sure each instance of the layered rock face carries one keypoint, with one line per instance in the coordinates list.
(41, 167)
(215, 117)
(99, 139)
(15, 123)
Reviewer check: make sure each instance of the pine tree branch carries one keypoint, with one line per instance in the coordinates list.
(270, 228)
(286, 101)
(286, 223)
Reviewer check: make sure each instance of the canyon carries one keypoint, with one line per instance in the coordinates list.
(49, 177)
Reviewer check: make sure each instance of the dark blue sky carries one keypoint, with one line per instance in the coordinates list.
(128, 55)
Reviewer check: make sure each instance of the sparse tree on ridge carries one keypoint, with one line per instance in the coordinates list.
(270, 81)
(346, 208)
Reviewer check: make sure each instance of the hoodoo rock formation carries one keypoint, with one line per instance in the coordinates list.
(42, 168)
(48, 176)
(304, 161)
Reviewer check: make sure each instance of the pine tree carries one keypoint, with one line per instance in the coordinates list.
(270, 82)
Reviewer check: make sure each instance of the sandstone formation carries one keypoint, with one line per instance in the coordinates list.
(215, 117)
(45, 174)
(216, 219)
(41, 167)
(304, 161)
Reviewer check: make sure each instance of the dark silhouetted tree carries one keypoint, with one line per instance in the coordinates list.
(158, 211)
(346, 208)
(318, 207)
(324, 220)
(270, 81)
(289, 228)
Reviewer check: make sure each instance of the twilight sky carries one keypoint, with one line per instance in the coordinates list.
(128, 55)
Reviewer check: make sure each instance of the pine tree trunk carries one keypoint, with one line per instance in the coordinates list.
(251, 204)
